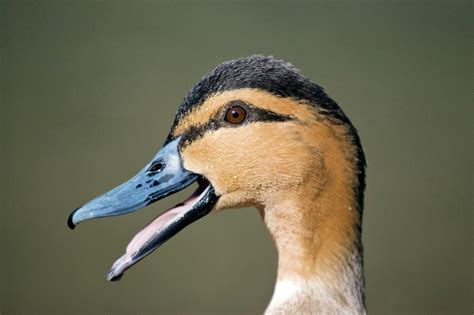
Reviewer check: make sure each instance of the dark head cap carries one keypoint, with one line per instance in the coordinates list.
(259, 72)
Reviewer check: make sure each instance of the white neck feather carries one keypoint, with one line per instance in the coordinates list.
(311, 296)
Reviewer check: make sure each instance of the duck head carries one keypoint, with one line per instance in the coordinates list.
(252, 132)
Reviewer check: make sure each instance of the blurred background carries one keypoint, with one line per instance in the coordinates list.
(88, 93)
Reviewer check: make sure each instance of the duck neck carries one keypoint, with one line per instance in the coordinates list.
(319, 259)
(317, 233)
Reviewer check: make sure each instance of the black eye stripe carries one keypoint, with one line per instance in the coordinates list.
(254, 114)
(266, 115)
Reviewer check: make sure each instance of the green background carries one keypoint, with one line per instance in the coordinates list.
(89, 91)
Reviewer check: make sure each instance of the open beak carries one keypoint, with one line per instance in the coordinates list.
(161, 177)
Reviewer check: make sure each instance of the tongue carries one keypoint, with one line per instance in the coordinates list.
(144, 238)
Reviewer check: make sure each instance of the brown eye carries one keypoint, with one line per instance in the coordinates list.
(235, 115)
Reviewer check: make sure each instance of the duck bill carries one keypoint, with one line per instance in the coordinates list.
(161, 177)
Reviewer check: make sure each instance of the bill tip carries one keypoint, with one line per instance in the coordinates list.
(70, 223)
(113, 277)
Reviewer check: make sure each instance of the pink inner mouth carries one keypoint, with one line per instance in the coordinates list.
(147, 233)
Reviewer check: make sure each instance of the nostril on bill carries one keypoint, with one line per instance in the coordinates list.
(155, 168)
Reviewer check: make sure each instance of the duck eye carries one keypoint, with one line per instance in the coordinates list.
(235, 115)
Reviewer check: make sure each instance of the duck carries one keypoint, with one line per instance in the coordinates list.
(255, 132)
